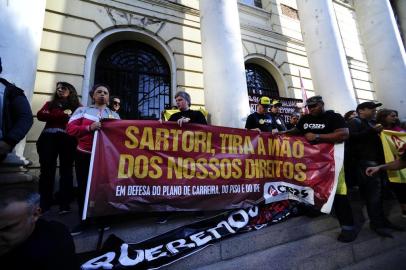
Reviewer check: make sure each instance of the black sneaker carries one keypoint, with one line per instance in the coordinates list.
(382, 231)
(200, 215)
(162, 220)
(394, 227)
(64, 211)
(347, 236)
(104, 228)
(78, 229)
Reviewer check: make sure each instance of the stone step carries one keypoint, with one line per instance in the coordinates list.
(318, 251)
(393, 259)
(140, 229)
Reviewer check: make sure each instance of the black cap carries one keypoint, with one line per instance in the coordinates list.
(369, 105)
(314, 100)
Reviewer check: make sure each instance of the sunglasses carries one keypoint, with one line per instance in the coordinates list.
(62, 88)
(312, 106)
(116, 103)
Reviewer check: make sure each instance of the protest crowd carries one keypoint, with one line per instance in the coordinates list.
(66, 144)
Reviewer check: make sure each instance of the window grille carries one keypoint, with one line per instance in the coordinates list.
(139, 75)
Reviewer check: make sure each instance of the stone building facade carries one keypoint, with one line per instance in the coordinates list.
(349, 51)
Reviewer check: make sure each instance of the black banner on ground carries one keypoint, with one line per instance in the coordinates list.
(184, 241)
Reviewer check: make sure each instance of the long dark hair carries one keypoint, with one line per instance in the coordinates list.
(72, 102)
(348, 114)
(381, 117)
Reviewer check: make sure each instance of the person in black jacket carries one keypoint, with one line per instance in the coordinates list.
(15, 116)
(367, 148)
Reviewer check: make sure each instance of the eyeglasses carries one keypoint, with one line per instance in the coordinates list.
(116, 103)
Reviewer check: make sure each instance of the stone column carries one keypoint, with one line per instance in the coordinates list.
(226, 96)
(400, 6)
(21, 24)
(384, 51)
(326, 56)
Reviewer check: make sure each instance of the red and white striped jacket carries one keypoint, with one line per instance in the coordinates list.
(80, 121)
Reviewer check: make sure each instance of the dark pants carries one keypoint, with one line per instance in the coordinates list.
(400, 191)
(82, 164)
(351, 171)
(50, 146)
(343, 211)
(371, 188)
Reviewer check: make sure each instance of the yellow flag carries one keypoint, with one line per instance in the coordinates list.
(393, 142)
(167, 113)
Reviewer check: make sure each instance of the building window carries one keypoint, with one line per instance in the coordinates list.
(290, 12)
(139, 75)
(260, 82)
(255, 3)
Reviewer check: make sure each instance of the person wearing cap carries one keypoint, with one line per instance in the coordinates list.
(15, 116)
(321, 126)
(186, 115)
(367, 148)
(260, 120)
(278, 124)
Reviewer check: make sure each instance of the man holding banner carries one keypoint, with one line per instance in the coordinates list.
(320, 126)
(186, 115)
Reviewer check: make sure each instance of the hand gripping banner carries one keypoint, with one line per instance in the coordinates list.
(149, 166)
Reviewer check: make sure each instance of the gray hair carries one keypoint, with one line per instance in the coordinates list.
(185, 95)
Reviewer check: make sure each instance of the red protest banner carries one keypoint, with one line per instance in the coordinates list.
(149, 166)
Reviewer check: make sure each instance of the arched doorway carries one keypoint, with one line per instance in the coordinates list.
(139, 75)
(259, 83)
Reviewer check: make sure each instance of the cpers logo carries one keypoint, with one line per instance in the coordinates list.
(263, 121)
(314, 126)
(276, 191)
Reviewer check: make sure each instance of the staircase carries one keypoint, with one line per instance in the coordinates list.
(298, 243)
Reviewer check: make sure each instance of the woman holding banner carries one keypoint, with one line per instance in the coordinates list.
(83, 123)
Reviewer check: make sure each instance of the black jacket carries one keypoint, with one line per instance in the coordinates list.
(365, 143)
(17, 115)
